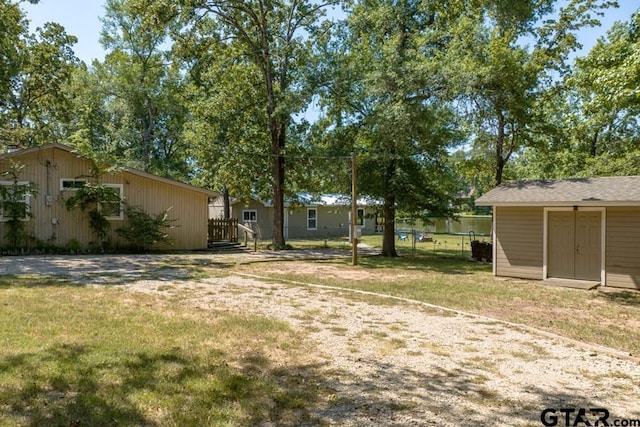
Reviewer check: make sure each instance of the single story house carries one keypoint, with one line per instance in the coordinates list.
(306, 216)
(57, 171)
(577, 229)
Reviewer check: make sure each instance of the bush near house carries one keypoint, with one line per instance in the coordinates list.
(14, 206)
(144, 230)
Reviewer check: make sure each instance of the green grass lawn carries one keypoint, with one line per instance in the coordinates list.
(103, 357)
(442, 244)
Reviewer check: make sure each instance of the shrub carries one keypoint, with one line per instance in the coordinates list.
(14, 206)
(88, 199)
(143, 230)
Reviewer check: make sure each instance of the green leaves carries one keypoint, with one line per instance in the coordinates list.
(14, 204)
(385, 101)
(143, 230)
(95, 199)
(35, 71)
(254, 64)
(593, 122)
(131, 107)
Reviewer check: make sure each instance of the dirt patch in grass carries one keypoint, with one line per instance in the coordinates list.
(397, 364)
(608, 317)
(247, 351)
(328, 271)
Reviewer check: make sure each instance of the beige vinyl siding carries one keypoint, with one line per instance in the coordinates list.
(623, 247)
(54, 224)
(45, 168)
(187, 207)
(297, 223)
(334, 220)
(264, 224)
(519, 242)
(331, 221)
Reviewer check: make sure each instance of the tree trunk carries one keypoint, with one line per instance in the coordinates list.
(500, 150)
(226, 203)
(389, 236)
(278, 202)
(499, 169)
(278, 140)
(593, 151)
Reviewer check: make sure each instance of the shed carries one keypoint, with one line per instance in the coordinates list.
(585, 229)
(57, 171)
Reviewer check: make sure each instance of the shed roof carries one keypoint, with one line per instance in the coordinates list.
(607, 191)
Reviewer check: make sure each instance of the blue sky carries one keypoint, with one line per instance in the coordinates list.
(79, 17)
(82, 19)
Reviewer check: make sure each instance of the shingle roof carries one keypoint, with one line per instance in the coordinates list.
(308, 199)
(622, 190)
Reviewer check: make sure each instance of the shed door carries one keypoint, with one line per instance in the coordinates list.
(588, 245)
(561, 244)
(574, 245)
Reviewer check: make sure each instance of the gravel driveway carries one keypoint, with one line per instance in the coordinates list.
(391, 363)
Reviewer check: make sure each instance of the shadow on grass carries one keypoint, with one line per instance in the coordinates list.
(622, 297)
(421, 261)
(104, 269)
(63, 385)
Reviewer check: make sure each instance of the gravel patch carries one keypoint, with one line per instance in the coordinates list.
(407, 364)
(389, 362)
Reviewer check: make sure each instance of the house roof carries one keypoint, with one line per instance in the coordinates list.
(140, 173)
(308, 199)
(608, 191)
(314, 200)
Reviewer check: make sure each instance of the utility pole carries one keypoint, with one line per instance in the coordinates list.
(354, 209)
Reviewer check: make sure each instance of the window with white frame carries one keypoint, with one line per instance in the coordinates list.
(22, 203)
(312, 219)
(113, 207)
(249, 215)
(72, 183)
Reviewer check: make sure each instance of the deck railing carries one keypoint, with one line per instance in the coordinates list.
(229, 230)
(223, 229)
(249, 232)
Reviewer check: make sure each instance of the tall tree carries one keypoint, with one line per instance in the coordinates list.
(13, 27)
(228, 139)
(274, 38)
(500, 79)
(382, 101)
(35, 70)
(593, 120)
(605, 87)
(141, 89)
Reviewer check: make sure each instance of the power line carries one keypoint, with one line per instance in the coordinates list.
(287, 156)
(326, 157)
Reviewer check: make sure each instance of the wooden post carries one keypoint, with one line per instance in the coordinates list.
(354, 209)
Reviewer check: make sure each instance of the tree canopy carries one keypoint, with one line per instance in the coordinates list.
(35, 71)
(265, 99)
